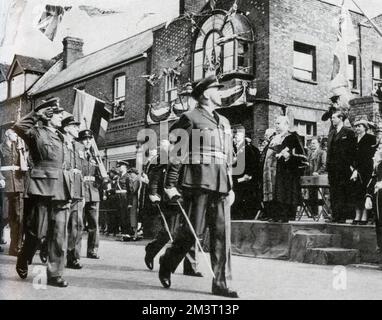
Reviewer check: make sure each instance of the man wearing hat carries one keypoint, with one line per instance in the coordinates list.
(47, 190)
(123, 192)
(71, 129)
(14, 186)
(92, 182)
(206, 184)
(112, 203)
(340, 166)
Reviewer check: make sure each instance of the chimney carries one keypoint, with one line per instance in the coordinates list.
(72, 50)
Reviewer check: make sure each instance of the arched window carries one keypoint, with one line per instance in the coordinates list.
(223, 45)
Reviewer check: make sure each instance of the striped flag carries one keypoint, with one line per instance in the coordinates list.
(346, 34)
(50, 19)
(92, 113)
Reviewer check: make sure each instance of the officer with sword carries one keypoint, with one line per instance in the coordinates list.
(169, 213)
(206, 185)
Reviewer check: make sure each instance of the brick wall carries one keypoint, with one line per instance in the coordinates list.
(313, 22)
(9, 109)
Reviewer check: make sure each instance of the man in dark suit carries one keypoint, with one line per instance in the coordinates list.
(47, 189)
(14, 188)
(340, 166)
(92, 181)
(206, 184)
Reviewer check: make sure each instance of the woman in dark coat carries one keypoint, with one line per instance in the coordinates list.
(363, 163)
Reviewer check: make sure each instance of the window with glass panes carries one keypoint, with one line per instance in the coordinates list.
(306, 129)
(352, 72)
(377, 75)
(233, 54)
(119, 96)
(304, 61)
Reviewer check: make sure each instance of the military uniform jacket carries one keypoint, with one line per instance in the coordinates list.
(200, 170)
(91, 176)
(74, 161)
(47, 148)
(14, 179)
(124, 184)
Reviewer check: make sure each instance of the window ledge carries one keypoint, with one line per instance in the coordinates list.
(305, 80)
(116, 119)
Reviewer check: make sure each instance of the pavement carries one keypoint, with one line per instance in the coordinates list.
(122, 274)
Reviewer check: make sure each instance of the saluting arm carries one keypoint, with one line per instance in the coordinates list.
(24, 126)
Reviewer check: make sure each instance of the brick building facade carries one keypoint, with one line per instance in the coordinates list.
(284, 31)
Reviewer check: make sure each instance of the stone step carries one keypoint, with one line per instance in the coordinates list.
(332, 256)
(302, 240)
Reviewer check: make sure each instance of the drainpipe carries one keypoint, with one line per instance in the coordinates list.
(360, 59)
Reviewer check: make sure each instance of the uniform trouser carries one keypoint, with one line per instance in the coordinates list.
(57, 239)
(123, 212)
(340, 196)
(172, 217)
(112, 221)
(15, 207)
(47, 221)
(91, 214)
(75, 227)
(35, 225)
(201, 207)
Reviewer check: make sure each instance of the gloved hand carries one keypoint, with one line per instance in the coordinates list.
(354, 176)
(154, 198)
(172, 193)
(144, 178)
(2, 184)
(231, 198)
(368, 204)
(46, 113)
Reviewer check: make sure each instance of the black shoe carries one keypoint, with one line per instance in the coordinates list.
(193, 274)
(362, 223)
(164, 274)
(57, 282)
(126, 238)
(74, 265)
(1, 249)
(355, 222)
(224, 292)
(22, 267)
(342, 221)
(149, 261)
(43, 256)
(92, 256)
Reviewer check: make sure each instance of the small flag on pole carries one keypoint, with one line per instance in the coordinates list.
(50, 19)
(91, 113)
